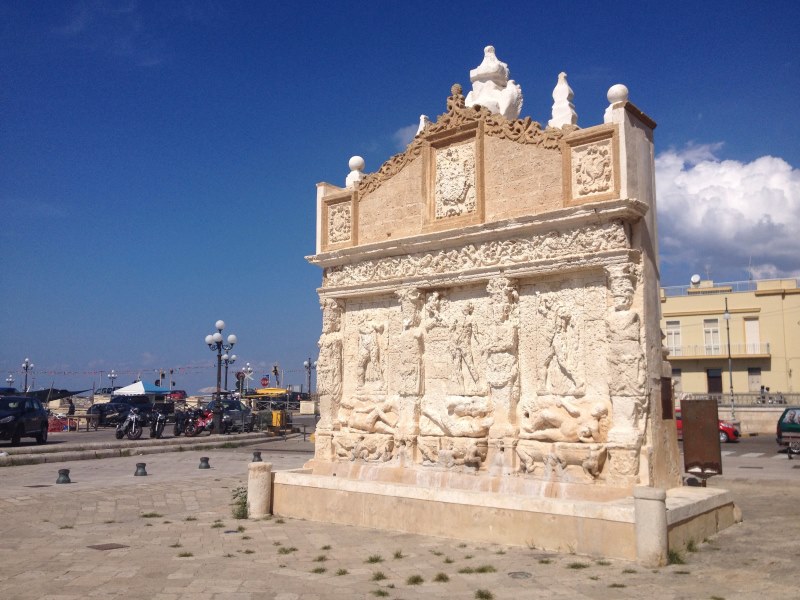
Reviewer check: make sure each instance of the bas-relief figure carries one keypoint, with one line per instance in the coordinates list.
(410, 344)
(465, 344)
(502, 369)
(329, 365)
(627, 376)
(558, 368)
(369, 366)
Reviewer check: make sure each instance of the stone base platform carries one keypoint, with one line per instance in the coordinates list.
(607, 529)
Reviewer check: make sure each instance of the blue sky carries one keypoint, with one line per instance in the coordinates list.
(160, 158)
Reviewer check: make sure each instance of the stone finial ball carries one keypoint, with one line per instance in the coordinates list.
(356, 163)
(617, 93)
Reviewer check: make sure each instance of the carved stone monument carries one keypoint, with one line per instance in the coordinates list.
(490, 362)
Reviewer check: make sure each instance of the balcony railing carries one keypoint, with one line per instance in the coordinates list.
(746, 399)
(720, 351)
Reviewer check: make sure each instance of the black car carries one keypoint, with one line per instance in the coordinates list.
(109, 413)
(22, 417)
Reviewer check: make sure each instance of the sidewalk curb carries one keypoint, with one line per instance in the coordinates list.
(105, 452)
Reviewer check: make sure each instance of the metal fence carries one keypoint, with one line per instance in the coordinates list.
(748, 399)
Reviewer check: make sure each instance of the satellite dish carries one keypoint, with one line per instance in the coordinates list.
(695, 279)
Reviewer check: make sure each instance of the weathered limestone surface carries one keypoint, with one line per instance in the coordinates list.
(491, 312)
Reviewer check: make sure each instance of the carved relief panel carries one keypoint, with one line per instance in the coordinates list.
(339, 215)
(454, 163)
(591, 165)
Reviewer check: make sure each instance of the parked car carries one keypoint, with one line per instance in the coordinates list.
(241, 417)
(728, 431)
(109, 413)
(788, 431)
(22, 417)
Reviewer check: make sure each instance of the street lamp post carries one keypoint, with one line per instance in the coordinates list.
(112, 376)
(727, 316)
(27, 365)
(215, 344)
(10, 380)
(228, 360)
(309, 365)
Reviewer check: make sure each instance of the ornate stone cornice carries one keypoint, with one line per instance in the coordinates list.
(503, 253)
(522, 131)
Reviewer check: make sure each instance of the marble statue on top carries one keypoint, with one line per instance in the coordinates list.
(492, 88)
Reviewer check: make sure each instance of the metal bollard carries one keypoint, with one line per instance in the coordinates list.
(140, 471)
(256, 456)
(204, 463)
(63, 476)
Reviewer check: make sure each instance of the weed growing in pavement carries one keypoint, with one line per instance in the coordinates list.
(577, 565)
(266, 518)
(682, 573)
(467, 556)
(239, 504)
(151, 515)
(486, 569)
(462, 545)
(675, 558)
(437, 553)
(66, 527)
(691, 546)
(148, 524)
(246, 537)
(399, 554)
(190, 519)
(375, 558)
(217, 525)
(448, 561)
(321, 558)
(286, 549)
(500, 552)
(108, 522)
(176, 545)
(379, 593)
(617, 585)
(628, 571)
(441, 578)
(378, 576)
(717, 598)
(248, 551)
(229, 555)
(545, 561)
(326, 547)
(415, 580)
(166, 522)
(594, 578)
(319, 570)
(341, 572)
(602, 563)
(241, 529)
(483, 595)
(185, 555)
(277, 543)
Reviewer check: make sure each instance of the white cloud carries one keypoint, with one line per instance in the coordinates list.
(727, 214)
(404, 135)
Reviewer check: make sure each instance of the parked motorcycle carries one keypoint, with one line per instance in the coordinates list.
(158, 421)
(180, 422)
(198, 421)
(132, 426)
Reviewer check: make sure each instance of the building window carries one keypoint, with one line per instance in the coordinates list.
(714, 381)
(711, 336)
(752, 336)
(677, 386)
(754, 379)
(674, 338)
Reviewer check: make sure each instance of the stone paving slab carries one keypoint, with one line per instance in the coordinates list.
(46, 533)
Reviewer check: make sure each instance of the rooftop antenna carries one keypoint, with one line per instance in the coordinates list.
(708, 272)
(750, 269)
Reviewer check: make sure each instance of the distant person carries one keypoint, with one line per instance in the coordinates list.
(71, 409)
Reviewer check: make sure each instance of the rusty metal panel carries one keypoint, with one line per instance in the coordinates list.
(701, 450)
(667, 401)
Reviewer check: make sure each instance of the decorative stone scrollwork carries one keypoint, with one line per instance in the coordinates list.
(509, 252)
(522, 131)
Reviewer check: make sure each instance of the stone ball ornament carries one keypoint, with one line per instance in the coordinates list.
(617, 93)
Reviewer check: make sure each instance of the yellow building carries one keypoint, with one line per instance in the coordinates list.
(762, 328)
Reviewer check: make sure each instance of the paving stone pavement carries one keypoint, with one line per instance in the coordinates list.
(179, 541)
